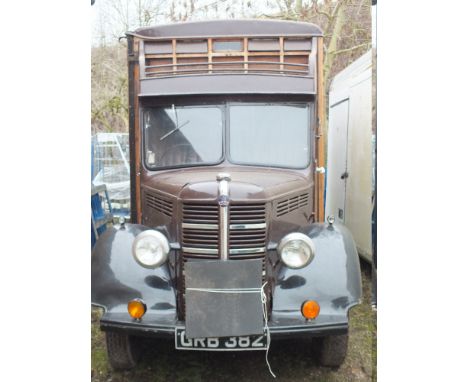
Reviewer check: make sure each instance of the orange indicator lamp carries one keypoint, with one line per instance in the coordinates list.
(136, 308)
(310, 309)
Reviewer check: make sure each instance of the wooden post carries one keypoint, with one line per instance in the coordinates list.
(319, 141)
(246, 54)
(174, 55)
(210, 55)
(281, 41)
(136, 126)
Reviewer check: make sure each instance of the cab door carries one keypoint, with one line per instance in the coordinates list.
(336, 160)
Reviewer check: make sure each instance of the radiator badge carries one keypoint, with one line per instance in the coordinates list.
(223, 200)
(223, 189)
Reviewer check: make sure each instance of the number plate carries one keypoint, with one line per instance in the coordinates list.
(257, 342)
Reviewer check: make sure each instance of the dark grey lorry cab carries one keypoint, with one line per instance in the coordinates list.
(227, 246)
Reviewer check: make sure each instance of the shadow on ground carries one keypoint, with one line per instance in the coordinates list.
(290, 360)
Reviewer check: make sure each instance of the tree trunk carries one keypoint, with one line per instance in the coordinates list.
(330, 52)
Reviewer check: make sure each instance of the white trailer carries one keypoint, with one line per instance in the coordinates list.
(349, 186)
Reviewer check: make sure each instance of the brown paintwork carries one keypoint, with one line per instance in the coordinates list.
(248, 183)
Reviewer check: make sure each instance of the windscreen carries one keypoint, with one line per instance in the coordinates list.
(182, 136)
(262, 134)
(274, 135)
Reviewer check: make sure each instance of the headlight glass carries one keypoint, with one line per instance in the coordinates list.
(296, 250)
(150, 249)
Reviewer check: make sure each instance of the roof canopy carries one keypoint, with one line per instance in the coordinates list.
(227, 84)
(228, 28)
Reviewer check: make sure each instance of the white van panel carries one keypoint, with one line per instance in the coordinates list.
(351, 87)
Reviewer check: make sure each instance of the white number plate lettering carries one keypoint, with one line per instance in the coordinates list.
(257, 342)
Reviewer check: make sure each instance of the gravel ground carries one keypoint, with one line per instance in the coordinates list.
(290, 360)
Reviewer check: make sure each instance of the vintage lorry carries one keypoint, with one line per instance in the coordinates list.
(227, 247)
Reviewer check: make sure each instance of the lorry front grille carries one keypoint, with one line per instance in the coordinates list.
(247, 231)
(200, 237)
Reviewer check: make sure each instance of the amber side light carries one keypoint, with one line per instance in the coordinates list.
(310, 309)
(136, 308)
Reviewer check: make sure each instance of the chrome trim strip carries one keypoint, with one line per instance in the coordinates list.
(215, 226)
(209, 251)
(212, 251)
(223, 201)
(224, 232)
(248, 226)
(200, 226)
(241, 251)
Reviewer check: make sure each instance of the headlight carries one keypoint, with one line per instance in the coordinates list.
(296, 250)
(150, 249)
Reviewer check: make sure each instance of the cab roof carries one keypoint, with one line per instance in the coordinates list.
(228, 28)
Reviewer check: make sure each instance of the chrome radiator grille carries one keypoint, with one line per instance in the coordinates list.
(247, 231)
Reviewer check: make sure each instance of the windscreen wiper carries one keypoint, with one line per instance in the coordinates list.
(178, 127)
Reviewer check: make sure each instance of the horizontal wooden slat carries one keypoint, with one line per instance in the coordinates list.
(226, 54)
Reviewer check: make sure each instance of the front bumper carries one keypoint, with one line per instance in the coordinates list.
(280, 327)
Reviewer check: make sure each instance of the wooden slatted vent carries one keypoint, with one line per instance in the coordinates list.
(157, 203)
(289, 205)
(273, 56)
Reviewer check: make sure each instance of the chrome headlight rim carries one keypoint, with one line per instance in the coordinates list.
(151, 235)
(296, 236)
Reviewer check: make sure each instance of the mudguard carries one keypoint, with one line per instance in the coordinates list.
(116, 278)
(333, 279)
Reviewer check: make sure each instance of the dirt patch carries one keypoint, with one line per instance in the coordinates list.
(290, 360)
